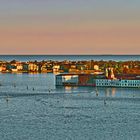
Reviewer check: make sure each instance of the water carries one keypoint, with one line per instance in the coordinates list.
(65, 113)
(69, 57)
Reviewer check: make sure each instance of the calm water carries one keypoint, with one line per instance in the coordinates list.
(69, 57)
(65, 113)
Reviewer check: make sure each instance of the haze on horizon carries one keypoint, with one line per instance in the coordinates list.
(70, 27)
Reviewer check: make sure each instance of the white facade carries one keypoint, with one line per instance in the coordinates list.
(14, 70)
(19, 67)
(117, 83)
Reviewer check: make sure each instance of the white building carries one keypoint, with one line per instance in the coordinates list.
(19, 67)
(14, 70)
(96, 67)
(32, 67)
(66, 79)
(56, 68)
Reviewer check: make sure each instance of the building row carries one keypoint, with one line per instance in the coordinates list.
(46, 66)
(28, 67)
(88, 67)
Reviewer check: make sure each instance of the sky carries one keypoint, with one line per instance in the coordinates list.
(70, 27)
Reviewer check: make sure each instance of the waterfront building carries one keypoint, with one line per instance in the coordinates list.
(81, 66)
(77, 79)
(25, 67)
(43, 68)
(65, 67)
(109, 72)
(2, 68)
(9, 67)
(73, 66)
(56, 68)
(95, 80)
(14, 70)
(33, 67)
(66, 79)
(96, 67)
(19, 67)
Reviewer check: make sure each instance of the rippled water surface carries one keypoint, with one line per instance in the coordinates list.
(69, 57)
(32, 108)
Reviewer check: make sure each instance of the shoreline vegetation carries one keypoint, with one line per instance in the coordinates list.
(66, 66)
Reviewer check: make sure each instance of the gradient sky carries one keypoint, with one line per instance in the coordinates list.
(69, 26)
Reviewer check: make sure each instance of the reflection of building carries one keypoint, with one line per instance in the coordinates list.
(107, 92)
(113, 91)
(110, 91)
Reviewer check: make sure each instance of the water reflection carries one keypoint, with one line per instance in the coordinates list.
(113, 92)
(55, 72)
(42, 83)
(107, 92)
(110, 92)
(70, 89)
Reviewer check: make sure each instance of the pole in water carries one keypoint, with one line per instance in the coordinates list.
(7, 99)
(33, 89)
(133, 95)
(14, 85)
(27, 87)
(96, 92)
(104, 102)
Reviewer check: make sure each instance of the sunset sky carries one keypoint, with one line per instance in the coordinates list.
(70, 27)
